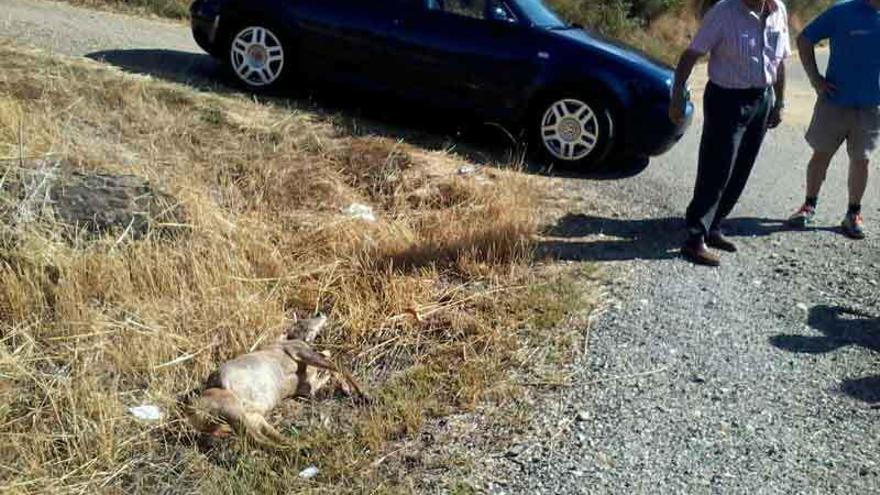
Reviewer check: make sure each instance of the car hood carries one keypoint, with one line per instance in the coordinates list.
(620, 51)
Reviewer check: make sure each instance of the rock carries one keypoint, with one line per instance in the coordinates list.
(103, 203)
(91, 203)
(803, 307)
(582, 416)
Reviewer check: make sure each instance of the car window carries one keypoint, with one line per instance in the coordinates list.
(475, 9)
(539, 14)
(407, 4)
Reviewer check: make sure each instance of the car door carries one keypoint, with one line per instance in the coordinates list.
(346, 40)
(470, 54)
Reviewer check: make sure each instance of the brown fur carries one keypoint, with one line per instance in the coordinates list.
(242, 391)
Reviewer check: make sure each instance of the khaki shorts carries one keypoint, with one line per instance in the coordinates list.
(832, 125)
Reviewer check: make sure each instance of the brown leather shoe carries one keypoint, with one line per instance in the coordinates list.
(718, 241)
(696, 252)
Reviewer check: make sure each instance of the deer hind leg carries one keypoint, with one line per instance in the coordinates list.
(217, 410)
(214, 411)
(256, 427)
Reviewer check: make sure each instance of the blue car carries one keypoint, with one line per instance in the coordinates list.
(579, 97)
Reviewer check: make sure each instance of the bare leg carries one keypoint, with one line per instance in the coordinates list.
(816, 170)
(858, 180)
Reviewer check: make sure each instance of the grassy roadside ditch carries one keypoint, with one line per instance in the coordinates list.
(92, 324)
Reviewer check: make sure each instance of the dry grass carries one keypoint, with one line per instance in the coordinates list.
(90, 328)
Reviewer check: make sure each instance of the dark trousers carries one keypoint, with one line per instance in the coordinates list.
(734, 126)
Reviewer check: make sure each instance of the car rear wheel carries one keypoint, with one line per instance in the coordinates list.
(258, 57)
(573, 131)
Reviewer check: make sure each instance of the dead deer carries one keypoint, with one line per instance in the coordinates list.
(242, 391)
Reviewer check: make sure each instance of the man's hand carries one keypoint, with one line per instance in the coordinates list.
(677, 108)
(775, 118)
(823, 87)
(682, 74)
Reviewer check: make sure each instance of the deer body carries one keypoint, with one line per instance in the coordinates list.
(244, 390)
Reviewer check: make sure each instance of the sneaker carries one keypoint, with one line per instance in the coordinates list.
(803, 217)
(853, 226)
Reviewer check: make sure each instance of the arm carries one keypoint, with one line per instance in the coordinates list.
(779, 86)
(775, 117)
(821, 28)
(707, 37)
(682, 73)
(807, 51)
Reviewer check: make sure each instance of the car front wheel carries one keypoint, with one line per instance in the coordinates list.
(258, 57)
(573, 131)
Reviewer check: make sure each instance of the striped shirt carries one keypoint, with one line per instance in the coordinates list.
(745, 48)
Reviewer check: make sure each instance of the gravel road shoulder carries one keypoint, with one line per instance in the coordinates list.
(761, 376)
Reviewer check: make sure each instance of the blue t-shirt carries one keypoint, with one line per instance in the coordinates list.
(854, 67)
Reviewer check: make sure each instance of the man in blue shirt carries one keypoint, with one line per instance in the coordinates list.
(848, 108)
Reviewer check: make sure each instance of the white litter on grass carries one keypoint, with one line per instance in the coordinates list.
(309, 472)
(146, 412)
(467, 170)
(363, 212)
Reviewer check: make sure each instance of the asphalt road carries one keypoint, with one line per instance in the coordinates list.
(760, 376)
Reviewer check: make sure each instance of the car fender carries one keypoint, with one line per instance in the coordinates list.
(600, 83)
(282, 13)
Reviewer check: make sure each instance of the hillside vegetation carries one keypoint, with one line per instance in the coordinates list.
(93, 325)
(660, 27)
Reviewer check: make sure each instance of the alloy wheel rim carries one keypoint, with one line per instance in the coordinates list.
(570, 129)
(257, 56)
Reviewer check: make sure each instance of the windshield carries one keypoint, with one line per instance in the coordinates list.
(539, 14)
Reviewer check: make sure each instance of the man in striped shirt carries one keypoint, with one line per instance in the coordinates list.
(747, 42)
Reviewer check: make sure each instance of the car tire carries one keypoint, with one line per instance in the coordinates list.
(258, 57)
(573, 131)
